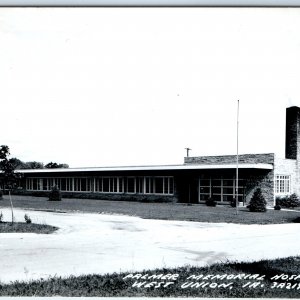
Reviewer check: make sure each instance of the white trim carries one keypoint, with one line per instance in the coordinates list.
(148, 168)
(285, 180)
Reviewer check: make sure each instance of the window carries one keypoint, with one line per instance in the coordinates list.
(220, 189)
(282, 184)
(83, 184)
(63, 184)
(45, 184)
(98, 184)
(121, 185)
(159, 185)
(142, 185)
(149, 185)
(130, 185)
(105, 185)
(171, 185)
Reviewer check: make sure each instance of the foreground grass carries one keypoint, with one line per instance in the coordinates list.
(116, 285)
(7, 227)
(162, 211)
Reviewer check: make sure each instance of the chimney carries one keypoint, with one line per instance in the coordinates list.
(292, 133)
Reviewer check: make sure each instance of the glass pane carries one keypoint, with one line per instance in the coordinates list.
(205, 190)
(228, 182)
(227, 198)
(83, 184)
(45, 185)
(204, 182)
(63, 184)
(159, 185)
(139, 185)
(216, 182)
(115, 185)
(149, 185)
(171, 185)
(228, 190)
(130, 185)
(216, 197)
(105, 184)
(121, 186)
(216, 190)
(166, 185)
(34, 184)
(204, 196)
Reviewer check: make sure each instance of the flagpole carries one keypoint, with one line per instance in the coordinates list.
(237, 159)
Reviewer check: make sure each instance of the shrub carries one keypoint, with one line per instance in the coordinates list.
(55, 194)
(27, 219)
(258, 202)
(288, 201)
(277, 207)
(211, 202)
(293, 200)
(1, 217)
(281, 201)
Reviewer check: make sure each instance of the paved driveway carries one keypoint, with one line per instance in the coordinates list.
(96, 243)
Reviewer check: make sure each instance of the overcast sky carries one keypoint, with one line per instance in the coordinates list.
(135, 86)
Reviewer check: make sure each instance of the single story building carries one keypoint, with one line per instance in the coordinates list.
(194, 181)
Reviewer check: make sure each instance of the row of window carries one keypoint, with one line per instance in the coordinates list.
(221, 189)
(140, 185)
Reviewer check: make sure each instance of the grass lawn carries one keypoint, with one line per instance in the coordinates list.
(239, 280)
(163, 211)
(7, 227)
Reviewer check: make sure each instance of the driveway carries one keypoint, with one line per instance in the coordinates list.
(97, 243)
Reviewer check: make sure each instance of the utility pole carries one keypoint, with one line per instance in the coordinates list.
(237, 160)
(187, 151)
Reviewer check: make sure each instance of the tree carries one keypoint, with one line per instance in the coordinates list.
(54, 165)
(6, 166)
(17, 163)
(9, 177)
(258, 202)
(33, 165)
(51, 165)
(4, 152)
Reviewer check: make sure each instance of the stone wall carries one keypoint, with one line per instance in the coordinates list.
(266, 158)
(264, 181)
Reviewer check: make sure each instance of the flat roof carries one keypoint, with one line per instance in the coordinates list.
(151, 168)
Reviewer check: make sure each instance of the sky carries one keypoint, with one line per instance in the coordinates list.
(136, 86)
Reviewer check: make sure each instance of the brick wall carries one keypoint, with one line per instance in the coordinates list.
(289, 167)
(292, 135)
(266, 158)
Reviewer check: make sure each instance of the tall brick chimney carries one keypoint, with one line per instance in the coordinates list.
(292, 133)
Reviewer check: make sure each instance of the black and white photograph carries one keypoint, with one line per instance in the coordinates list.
(150, 152)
